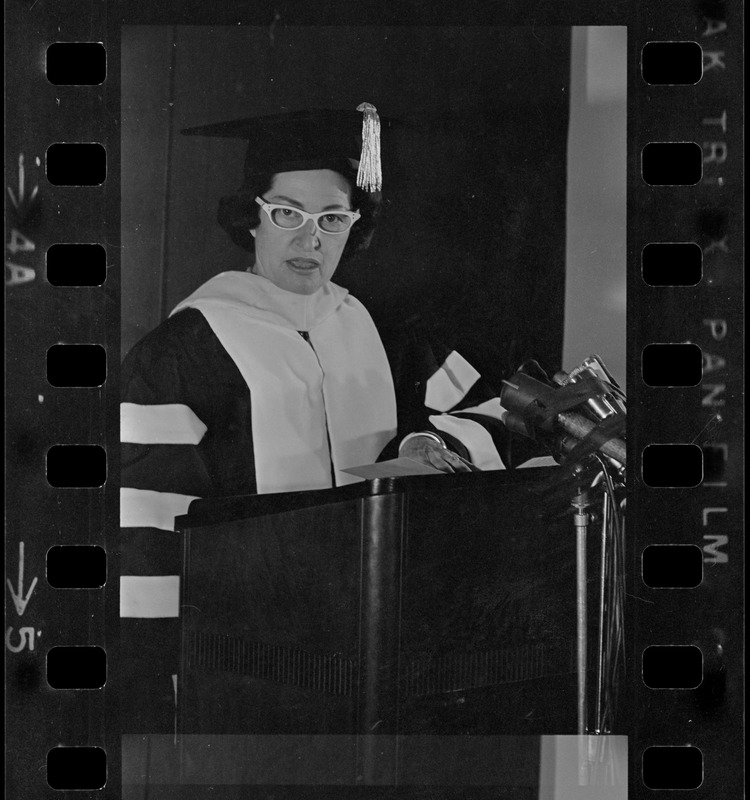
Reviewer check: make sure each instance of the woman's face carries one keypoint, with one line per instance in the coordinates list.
(305, 259)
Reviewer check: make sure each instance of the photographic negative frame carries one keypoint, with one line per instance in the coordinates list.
(44, 311)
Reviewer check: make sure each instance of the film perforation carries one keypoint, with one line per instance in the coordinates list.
(672, 365)
(76, 466)
(76, 164)
(76, 365)
(671, 164)
(76, 63)
(672, 566)
(672, 264)
(673, 767)
(676, 667)
(672, 466)
(77, 667)
(76, 265)
(672, 63)
(76, 566)
(77, 768)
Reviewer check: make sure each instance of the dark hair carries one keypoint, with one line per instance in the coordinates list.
(239, 213)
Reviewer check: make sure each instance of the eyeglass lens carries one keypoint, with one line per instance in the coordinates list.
(330, 221)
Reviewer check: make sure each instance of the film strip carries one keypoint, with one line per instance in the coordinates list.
(686, 676)
(685, 331)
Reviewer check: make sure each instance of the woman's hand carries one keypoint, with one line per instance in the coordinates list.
(426, 449)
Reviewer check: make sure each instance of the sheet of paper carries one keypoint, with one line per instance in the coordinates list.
(395, 468)
(539, 461)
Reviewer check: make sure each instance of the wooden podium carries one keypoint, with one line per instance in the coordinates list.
(437, 605)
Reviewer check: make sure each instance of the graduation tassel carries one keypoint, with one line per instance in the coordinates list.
(370, 175)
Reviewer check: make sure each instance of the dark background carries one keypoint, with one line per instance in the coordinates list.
(473, 227)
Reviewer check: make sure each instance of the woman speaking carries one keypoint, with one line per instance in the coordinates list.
(275, 379)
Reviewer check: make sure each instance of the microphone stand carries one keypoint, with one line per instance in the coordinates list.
(534, 403)
(581, 502)
(581, 519)
(588, 746)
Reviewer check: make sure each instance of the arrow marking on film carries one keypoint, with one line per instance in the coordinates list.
(19, 600)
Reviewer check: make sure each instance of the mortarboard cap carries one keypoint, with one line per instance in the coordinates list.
(345, 140)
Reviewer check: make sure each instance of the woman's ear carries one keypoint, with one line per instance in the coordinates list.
(252, 232)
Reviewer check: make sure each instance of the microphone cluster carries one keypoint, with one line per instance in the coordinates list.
(578, 413)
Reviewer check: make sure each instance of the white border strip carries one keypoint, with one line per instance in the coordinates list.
(150, 596)
(143, 508)
(451, 383)
(171, 423)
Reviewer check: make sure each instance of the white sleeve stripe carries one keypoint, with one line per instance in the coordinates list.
(490, 408)
(451, 383)
(143, 508)
(171, 423)
(477, 440)
(150, 597)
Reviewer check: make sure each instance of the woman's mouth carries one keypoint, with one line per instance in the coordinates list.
(303, 265)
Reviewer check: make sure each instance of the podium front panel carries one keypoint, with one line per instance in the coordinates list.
(271, 623)
(488, 615)
(442, 606)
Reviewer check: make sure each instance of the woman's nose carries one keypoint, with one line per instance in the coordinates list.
(310, 232)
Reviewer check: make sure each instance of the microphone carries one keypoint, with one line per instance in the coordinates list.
(583, 410)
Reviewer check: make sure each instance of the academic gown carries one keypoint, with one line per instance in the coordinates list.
(248, 388)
